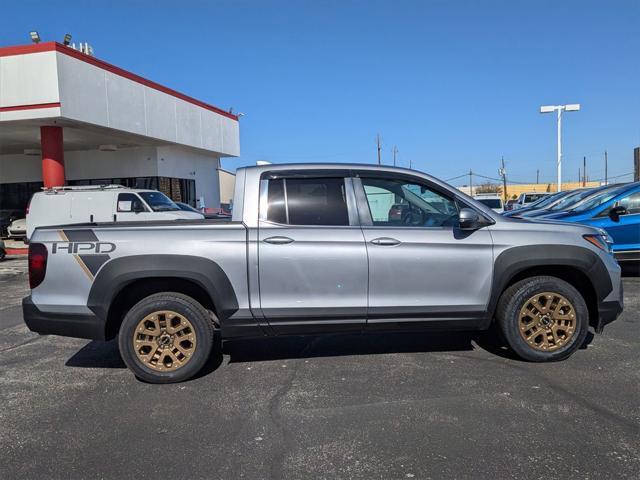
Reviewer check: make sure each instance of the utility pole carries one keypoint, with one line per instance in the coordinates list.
(537, 176)
(411, 164)
(395, 152)
(378, 140)
(579, 175)
(584, 171)
(470, 183)
(503, 174)
(606, 168)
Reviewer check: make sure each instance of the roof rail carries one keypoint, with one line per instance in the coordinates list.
(71, 188)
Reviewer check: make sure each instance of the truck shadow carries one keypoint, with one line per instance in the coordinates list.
(98, 354)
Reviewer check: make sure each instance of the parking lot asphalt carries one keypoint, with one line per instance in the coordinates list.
(345, 406)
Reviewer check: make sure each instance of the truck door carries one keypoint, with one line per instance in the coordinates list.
(312, 259)
(422, 268)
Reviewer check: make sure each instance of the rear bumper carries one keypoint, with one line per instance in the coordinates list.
(64, 324)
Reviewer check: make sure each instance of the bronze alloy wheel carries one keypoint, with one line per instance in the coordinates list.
(164, 341)
(547, 321)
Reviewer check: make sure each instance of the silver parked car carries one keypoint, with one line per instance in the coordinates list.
(321, 248)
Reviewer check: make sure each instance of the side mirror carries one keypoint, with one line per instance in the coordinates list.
(615, 212)
(468, 219)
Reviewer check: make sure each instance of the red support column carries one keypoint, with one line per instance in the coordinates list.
(52, 156)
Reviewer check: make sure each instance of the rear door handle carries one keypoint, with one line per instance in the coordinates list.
(278, 240)
(385, 241)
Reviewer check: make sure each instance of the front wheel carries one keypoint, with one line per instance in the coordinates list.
(543, 318)
(166, 338)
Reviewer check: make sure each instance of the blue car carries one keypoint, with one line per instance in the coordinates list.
(615, 210)
(574, 199)
(543, 202)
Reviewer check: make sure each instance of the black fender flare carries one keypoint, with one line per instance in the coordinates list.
(515, 260)
(119, 272)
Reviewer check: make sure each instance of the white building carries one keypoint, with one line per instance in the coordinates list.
(67, 117)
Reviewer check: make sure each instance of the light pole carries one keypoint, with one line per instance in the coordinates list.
(574, 107)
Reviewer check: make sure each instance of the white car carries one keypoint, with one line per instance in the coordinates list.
(494, 202)
(528, 197)
(18, 229)
(99, 204)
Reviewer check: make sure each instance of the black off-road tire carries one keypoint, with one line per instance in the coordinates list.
(198, 320)
(514, 299)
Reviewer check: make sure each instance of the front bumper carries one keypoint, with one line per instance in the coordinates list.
(608, 311)
(64, 324)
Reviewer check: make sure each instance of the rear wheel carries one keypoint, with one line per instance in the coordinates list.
(543, 318)
(166, 338)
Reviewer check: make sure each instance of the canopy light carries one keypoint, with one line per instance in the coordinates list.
(108, 148)
(32, 151)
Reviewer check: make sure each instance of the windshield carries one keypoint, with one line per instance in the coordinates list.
(546, 200)
(186, 208)
(490, 202)
(159, 202)
(572, 199)
(597, 199)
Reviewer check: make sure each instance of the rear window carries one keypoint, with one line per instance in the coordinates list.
(307, 201)
(532, 197)
(490, 202)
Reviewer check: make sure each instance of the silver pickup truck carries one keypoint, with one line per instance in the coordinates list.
(320, 248)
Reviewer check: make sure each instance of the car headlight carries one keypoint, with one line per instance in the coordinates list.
(602, 240)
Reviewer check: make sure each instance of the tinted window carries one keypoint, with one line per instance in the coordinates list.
(490, 202)
(316, 201)
(404, 204)
(276, 208)
(309, 201)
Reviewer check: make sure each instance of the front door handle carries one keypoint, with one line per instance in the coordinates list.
(278, 240)
(386, 241)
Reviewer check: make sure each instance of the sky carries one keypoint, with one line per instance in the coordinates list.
(454, 85)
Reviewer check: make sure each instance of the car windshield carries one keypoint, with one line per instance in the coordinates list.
(547, 200)
(159, 202)
(490, 202)
(186, 208)
(597, 200)
(572, 199)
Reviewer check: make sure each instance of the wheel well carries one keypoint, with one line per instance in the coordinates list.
(133, 292)
(571, 275)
